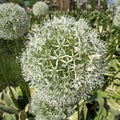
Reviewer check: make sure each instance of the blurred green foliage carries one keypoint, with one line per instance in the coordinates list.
(13, 104)
(9, 65)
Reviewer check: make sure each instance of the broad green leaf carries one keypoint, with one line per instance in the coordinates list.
(14, 93)
(117, 76)
(100, 101)
(114, 107)
(101, 114)
(18, 90)
(9, 117)
(101, 93)
(7, 99)
(8, 109)
(114, 64)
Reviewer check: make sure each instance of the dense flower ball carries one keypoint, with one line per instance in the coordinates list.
(116, 19)
(40, 8)
(63, 61)
(14, 21)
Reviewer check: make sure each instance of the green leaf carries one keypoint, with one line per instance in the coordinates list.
(117, 75)
(7, 109)
(114, 107)
(22, 115)
(9, 117)
(18, 90)
(85, 110)
(14, 93)
(114, 64)
(101, 93)
(101, 114)
(7, 99)
(100, 101)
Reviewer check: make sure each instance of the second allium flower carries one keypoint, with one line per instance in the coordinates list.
(14, 21)
(63, 61)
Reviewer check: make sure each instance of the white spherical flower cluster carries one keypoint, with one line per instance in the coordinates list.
(14, 21)
(63, 61)
(40, 8)
(116, 19)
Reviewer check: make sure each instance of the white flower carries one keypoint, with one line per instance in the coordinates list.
(40, 8)
(64, 61)
(14, 21)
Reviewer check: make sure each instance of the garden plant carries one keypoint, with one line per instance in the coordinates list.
(59, 65)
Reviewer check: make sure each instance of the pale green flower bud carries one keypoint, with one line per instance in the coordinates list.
(40, 8)
(14, 21)
(63, 61)
(117, 2)
(116, 19)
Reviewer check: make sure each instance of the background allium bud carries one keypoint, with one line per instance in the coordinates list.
(116, 19)
(64, 61)
(117, 2)
(40, 8)
(14, 21)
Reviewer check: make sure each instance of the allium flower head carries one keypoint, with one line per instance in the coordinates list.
(63, 61)
(40, 8)
(14, 21)
(116, 19)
